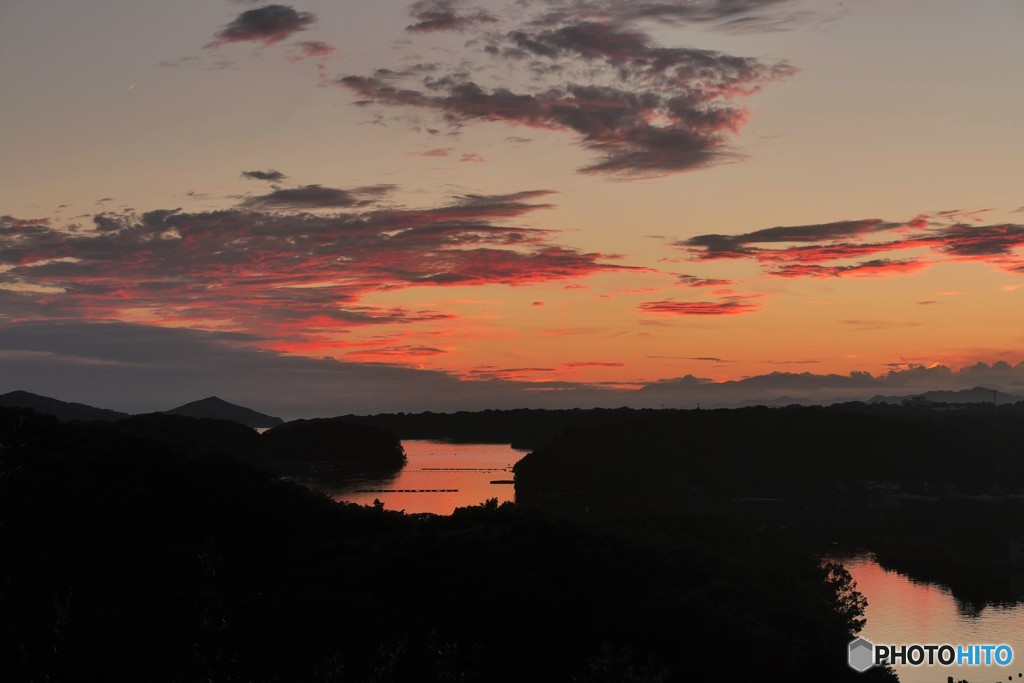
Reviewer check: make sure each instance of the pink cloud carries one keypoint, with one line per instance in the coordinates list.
(289, 264)
(439, 152)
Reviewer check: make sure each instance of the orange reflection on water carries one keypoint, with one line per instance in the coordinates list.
(438, 477)
(898, 605)
(901, 611)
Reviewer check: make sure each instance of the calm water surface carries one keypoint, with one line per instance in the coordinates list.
(902, 611)
(438, 477)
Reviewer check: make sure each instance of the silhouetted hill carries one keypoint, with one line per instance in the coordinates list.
(934, 492)
(657, 459)
(125, 560)
(62, 410)
(332, 445)
(219, 409)
(975, 395)
(196, 437)
(300, 447)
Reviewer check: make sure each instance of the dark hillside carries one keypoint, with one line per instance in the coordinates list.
(125, 560)
(218, 409)
(62, 410)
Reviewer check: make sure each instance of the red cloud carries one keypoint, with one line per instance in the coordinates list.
(876, 268)
(830, 252)
(269, 267)
(806, 251)
(731, 305)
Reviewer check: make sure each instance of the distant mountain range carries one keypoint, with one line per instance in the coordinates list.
(62, 410)
(219, 409)
(975, 395)
(211, 407)
(216, 408)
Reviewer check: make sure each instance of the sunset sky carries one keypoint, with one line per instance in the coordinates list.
(352, 206)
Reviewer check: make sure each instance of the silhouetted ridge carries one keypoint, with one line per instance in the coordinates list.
(219, 409)
(975, 395)
(126, 561)
(294, 448)
(196, 437)
(332, 444)
(62, 410)
(936, 491)
(797, 453)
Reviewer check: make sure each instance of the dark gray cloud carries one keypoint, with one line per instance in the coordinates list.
(269, 175)
(635, 131)
(694, 281)
(806, 387)
(728, 15)
(446, 15)
(268, 25)
(737, 304)
(978, 241)
(149, 368)
(369, 315)
(316, 197)
(813, 250)
(642, 109)
(138, 368)
(872, 268)
(713, 246)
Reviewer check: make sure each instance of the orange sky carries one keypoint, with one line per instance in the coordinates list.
(580, 199)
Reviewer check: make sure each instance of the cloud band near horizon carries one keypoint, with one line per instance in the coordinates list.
(292, 263)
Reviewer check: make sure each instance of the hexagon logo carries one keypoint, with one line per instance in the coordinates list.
(861, 654)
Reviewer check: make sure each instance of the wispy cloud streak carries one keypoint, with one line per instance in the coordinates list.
(818, 251)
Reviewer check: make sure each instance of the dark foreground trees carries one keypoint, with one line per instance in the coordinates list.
(122, 559)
